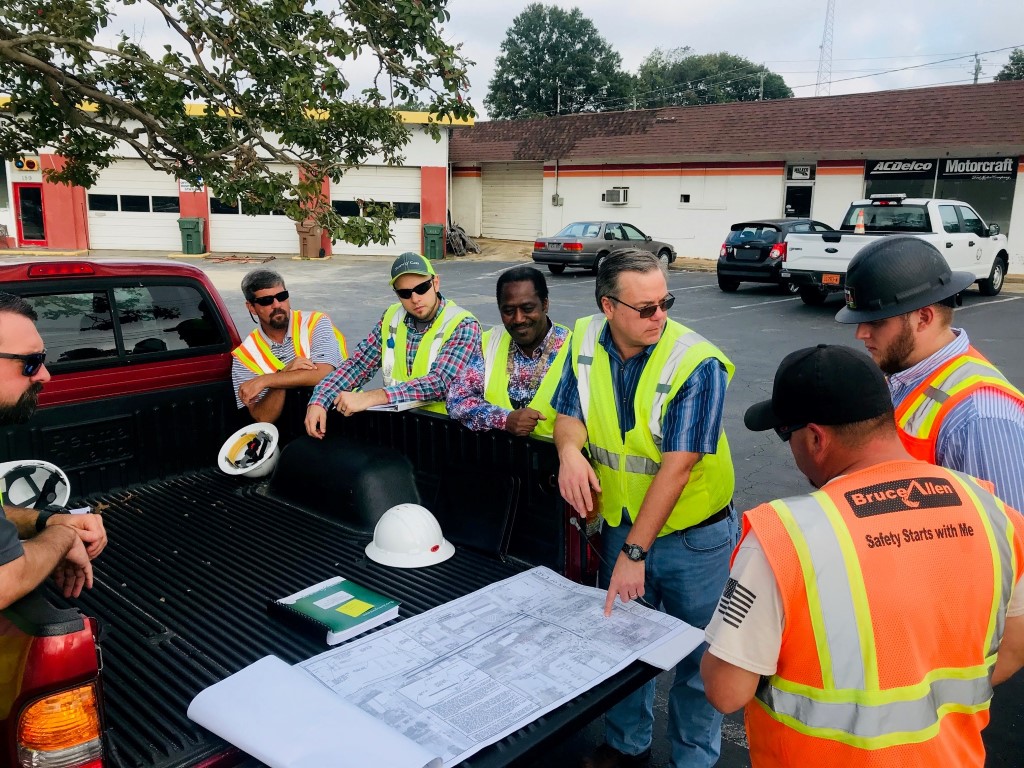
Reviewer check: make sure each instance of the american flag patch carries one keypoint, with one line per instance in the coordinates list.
(735, 603)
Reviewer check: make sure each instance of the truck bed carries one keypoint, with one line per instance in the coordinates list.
(182, 588)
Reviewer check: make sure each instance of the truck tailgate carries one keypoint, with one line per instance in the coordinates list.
(829, 252)
(197, 557)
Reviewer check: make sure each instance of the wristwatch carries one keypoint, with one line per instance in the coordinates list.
(45, 514)
(634, 552)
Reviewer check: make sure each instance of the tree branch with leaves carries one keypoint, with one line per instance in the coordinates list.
(269, 80)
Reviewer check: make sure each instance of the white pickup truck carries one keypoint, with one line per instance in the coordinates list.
(816, 263)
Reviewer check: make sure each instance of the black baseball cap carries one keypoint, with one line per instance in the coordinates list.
(828, 384)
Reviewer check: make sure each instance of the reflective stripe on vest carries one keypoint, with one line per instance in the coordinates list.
(851, 707)
(496, 348)
(256, 355)
(922, 412)
(626, 464)
(394, 362)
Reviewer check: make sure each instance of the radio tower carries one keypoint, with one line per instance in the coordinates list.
(824, 83)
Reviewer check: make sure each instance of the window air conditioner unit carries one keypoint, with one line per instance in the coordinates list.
(616, 196)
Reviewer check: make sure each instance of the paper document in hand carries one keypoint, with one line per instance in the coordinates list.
(468, 673)
(406, 406)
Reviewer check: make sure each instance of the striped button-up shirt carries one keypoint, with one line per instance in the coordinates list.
(364, 363)
(323, 348)
(693, 419)
(983, 435)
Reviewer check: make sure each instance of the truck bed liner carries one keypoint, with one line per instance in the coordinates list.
(206, 552)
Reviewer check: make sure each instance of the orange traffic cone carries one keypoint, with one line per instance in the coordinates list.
(859, 228)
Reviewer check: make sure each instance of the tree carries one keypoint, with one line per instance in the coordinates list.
(554, 61)
(268, 80)
(678, 76)
(1014, 69)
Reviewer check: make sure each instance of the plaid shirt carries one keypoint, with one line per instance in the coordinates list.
(466, 400)
(365, 362)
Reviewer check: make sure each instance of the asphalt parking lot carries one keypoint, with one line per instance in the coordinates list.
(756, 327)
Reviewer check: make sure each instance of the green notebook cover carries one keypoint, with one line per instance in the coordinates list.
(342, 608)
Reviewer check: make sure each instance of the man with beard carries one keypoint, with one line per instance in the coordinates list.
(953, 407)
(864, 624)
(289, 350)
(57, 543)
(510, 384)
(420, 345)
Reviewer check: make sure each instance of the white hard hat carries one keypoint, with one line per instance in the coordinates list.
(251, 451)
(33, 483)
(408, 536)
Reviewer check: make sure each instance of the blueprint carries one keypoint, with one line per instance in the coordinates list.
(468, 673)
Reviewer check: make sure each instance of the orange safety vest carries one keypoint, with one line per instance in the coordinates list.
(920, 415)
(255, 354)
(895, 582)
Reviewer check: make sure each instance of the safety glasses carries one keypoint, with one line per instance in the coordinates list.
(785, 433)
(266, 301)
(33, 361)
(648, 312)
(419, 290)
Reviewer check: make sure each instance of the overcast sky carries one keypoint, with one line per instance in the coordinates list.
(870, 37)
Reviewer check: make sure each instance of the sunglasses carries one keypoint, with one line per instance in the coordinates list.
(419, 290)
(266, 301)
(784, 433)
(33, 362)
(648, 312)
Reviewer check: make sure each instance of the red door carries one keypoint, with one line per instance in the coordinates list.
(28, 210)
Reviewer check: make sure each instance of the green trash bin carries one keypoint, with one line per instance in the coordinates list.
(433, 241)
(191, 235)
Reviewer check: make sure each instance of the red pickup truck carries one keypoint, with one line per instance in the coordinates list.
(139, 404)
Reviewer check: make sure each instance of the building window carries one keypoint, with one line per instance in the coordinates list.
(163, 204)
(135, 203)
(102, 202)
(219, 206)
(346, 207)
(407, 210)
(684, 198)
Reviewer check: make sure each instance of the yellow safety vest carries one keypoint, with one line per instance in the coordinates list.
(255, 354)
(496, 348)
(626, 468)
(395, 337)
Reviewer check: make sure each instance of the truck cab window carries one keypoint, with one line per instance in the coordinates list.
(165, 318)
(75, 326)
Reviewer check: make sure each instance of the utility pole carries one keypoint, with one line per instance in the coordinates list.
(558, 97)
(760, 90)
(977, 68)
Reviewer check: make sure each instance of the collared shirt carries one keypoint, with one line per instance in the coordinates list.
(693, 418)
(323, 348)
(983, 435)
(10, 543)
(466, 398)
(355, 372)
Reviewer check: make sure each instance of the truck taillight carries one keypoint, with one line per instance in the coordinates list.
(60, 269)
(778, 251)
(61, 731)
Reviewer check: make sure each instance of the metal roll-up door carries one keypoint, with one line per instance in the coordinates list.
(382, 184)
(239, 229)
(512, 195)
(133, 207)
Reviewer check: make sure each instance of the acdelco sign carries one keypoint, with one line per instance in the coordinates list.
(902, 169)
(979, 167)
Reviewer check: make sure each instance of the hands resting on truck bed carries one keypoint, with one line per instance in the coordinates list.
(74, 572)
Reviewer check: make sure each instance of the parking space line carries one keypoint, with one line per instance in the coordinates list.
(492, 274)
(988, 303)
(760, 303)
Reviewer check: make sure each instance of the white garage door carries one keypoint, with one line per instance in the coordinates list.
(131, 206)
(512, 194)
(398, 186)
(235, 228)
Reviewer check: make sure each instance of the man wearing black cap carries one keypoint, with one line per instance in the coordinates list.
(953, 407)
(860, 623)
(420, 345)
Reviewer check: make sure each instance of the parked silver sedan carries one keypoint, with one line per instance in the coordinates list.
(587, 243)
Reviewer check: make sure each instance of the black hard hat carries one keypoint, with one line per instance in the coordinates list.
(897, 274)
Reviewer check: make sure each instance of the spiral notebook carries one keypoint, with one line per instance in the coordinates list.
(341, 608)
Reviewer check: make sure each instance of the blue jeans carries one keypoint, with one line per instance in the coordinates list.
(685, 574)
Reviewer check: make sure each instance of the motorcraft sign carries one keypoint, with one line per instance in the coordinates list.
(973, 168)
(979, 168)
